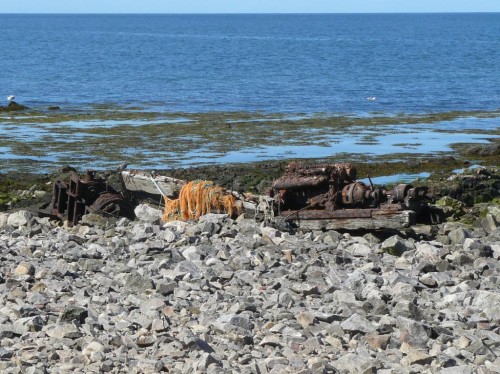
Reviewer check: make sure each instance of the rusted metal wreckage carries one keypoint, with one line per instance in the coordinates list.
(327, 196)
(78, 196)
(318, 196)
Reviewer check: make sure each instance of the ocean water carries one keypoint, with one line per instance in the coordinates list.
(412, 63)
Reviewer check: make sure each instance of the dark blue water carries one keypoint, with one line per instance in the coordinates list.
(275, 63)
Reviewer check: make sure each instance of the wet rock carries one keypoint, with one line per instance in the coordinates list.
(12, 107)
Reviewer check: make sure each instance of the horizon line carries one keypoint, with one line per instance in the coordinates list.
(243, 13)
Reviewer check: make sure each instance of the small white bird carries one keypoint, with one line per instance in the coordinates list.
(371, 98)
(10, 98)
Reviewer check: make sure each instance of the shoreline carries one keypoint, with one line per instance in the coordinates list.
(41, 140)
(100, 139)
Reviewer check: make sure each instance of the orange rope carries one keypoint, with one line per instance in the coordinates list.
(197, 198)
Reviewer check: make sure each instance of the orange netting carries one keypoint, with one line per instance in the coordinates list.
(197, 198)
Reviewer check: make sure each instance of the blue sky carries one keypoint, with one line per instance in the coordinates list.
(246, 6)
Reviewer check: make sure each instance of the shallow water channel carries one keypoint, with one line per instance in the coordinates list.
(42, 143)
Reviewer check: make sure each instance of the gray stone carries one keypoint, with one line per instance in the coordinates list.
(169, 236)
(61, 268)
(4, 217)
(412, 332)
(489, 223)
(24, 268)
(494, 210)
(376, 341)
(27, 325)
(73, 313)
(305, 289)
(229, 322)
(406, 308)
(356, 364)
(488, 303)
(416, 357)
(136, 283)
(458, 235)
(273, 362)
(272, 340)
(93, 347)
(146, 340)
(359, 250)
(20, 218)
(166, 288)
(189, 267)
(396, 246)
(208, 359)
(213, 296)
(357, 323)
(5, 354)
(96, 220)
(460, 369)
(152, 306)
(271, 234)
(64, 331)
(305, 319)
(146, 213)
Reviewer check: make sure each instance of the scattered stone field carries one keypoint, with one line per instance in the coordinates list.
(239, 296)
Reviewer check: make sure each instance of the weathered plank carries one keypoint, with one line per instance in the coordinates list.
(379, 220)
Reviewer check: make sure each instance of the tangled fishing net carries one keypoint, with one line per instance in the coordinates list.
(197, 198)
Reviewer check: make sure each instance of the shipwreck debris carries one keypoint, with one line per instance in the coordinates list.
(317, 196)
(327, 196)
(137, 181)
(89, 194)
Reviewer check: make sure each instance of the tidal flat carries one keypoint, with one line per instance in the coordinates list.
(103, 136)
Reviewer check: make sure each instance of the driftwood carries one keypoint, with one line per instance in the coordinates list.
(379, 220)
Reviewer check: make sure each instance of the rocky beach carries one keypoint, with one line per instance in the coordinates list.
(237, 295)
(359, 142)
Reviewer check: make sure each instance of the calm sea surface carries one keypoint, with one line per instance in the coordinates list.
(273, 63)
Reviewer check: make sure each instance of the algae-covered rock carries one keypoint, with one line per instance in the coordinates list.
(13, 106)
(451, 207)
(494, 210)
